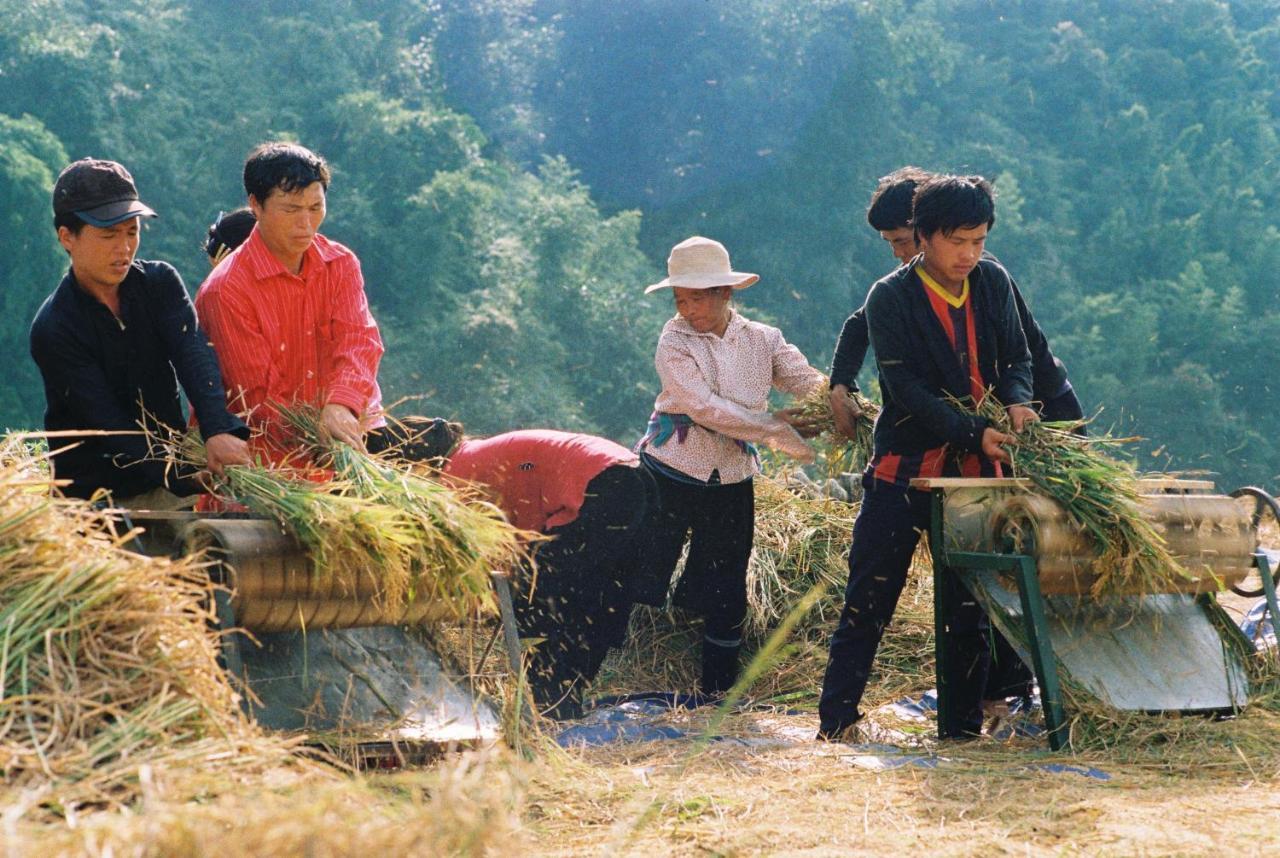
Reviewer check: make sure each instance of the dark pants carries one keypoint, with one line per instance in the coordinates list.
(885, 535)
(581, 599)
(719, 522)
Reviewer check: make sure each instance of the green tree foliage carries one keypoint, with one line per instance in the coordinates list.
(29, 160)
(501, 291)
(1134, 146)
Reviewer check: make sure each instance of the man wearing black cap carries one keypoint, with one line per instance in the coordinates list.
(113, 341)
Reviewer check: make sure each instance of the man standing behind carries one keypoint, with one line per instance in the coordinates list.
(287, 311)
(890, 215)
(113, 341)
(943, 327)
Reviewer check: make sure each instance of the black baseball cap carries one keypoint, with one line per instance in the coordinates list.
(101, 193)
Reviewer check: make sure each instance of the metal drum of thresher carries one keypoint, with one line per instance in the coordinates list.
(331, 654)
(1135, 649)
(276, 588)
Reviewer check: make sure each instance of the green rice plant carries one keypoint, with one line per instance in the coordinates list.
(428, 538)
(1100, 494)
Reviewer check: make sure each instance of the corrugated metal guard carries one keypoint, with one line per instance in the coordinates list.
(276, 587)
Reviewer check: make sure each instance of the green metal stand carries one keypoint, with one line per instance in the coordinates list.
(1268, 585)
(1033, 615)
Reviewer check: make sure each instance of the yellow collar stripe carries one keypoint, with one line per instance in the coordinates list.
(954, 300)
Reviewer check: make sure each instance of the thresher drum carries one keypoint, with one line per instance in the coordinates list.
(323, 653)
(1139, 648)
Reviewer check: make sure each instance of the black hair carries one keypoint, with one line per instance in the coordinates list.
(427, 439)
(947, 203)
(228, 232)
(890, 206)
(282, 166)
(70, 220)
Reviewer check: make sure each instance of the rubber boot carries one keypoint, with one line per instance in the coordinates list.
(719, 665)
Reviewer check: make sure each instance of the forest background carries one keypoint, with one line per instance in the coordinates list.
(512, 173)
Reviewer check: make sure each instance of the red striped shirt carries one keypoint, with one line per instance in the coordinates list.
(285, 338)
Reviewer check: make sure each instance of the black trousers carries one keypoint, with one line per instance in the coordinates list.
(885, 535)
(719, 523)
(580, 601)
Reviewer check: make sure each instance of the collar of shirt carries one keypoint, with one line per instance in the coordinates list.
(90, 303)
(956, 301)
(736, 324)
(263, 263)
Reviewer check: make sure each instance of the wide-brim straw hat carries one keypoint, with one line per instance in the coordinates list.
(701, 263)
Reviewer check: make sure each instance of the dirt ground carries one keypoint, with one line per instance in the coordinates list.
(763, 789)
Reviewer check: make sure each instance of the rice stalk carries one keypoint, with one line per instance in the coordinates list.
(427, 540)
(845, 455)
(458, 536)
(1100, 494)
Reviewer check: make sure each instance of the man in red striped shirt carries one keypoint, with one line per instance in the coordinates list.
(287, 311)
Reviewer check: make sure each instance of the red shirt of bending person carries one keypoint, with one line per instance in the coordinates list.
(591, 497)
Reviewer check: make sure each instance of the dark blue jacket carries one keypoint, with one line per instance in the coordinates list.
(918, 367)
(101, 372)
(1048, 375)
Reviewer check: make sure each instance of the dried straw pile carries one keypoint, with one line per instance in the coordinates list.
(109, 681)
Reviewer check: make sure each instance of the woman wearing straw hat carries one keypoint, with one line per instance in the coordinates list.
(717, 369)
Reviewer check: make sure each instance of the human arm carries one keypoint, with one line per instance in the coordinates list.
(354, 346)
(851, 351)
(189, 350)
(1048, 375)
(685, 390)
(792, 374)
(1013, 361)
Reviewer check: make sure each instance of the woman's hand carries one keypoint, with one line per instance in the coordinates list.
(806, 426)
(789, 442)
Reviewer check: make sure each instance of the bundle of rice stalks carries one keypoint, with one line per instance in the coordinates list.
(109, 680)
(1099, 492)
(845, 455)
(427, 540)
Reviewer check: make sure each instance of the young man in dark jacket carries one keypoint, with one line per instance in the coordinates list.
(944, 327)
(890, 215)
(113, 341)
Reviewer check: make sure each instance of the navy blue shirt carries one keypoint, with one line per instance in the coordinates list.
(106, 373)
(1048, 375)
